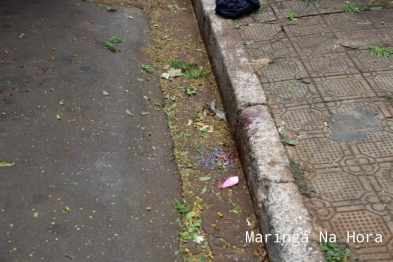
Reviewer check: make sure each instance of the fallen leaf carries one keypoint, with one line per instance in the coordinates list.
(129, 112)
(35, 214)
(130, 17)
(105, 93)
(205, 178)
(144, 113)
(5, 164)
(58, 117)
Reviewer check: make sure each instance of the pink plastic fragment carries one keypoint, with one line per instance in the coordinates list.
(130, 17)
(230, 182)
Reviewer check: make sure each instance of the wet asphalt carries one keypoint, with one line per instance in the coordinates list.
(91, 181)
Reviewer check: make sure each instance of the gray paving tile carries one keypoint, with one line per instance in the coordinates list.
(261, 32)
(333, 88)
(304, 120)
(367, 62)
(306, 26)
(362, 38)
(381, 82)
(329, 64)
(346, 21)
(292, 92)
(324, 43)
(287, 68)
(385, 16)
(330, 6)
(278, 46)
(299, 8)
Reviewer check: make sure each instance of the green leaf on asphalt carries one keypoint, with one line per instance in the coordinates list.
(105, 93)
(35, 214)
(7, 82)
(129, 112)
(204, 190)
(5, 164)
(58, 117)
(199, 149)
(205, 178)
(139, 79)
(146, 97)
(115, 40)
(61, 102)
(22, 35)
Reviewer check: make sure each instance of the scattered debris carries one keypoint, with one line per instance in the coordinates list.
(230, 182)
(22, 35)
(212, 108)
(130, 17)
(70, 256)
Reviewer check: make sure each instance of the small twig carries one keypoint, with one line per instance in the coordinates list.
(235, 228)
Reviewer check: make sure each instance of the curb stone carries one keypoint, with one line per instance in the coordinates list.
(276, 198)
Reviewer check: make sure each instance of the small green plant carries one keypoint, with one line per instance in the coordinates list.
(169, 110)
(298, 170)
(275, 58)
(238, 26)
(380, 52)
(22, 35)
(336, 252)
(286, 141)
(291, 16)
(111, 9)
(196, 74)
(115, 40)
(111, 47)
(289, 89)
(182, 65)
(182, 208)
(350, 8)
(148, 68)
(249, 42)
(199, 149)
(184, 135)
(192, 90)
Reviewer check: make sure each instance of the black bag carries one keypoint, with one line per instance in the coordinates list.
(236, 8)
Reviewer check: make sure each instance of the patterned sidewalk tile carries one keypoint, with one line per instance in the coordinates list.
(381, 82)
(361, 39)
(343, 87)
(367, 62)
(298, 8)
(306, 26)
(324, 43)
(329, 64)
(345, 21)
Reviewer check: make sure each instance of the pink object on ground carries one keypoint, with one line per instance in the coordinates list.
(230, 182)
(130, 17)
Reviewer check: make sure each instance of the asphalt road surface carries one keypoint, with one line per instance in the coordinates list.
(94, 175)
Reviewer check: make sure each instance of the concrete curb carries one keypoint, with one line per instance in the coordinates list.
(277, 201)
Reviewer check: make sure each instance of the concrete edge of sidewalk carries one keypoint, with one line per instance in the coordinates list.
(276, 198)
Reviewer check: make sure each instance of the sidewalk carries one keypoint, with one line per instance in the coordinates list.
(325, 89)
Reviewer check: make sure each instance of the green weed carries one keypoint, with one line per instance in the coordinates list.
(115, 40)
(350, 8)
(336, 252)
(182, 208)
(196, 74)
(380, 52)
(291, 16)
(182, 65)
(192, 90)
(148, 68)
